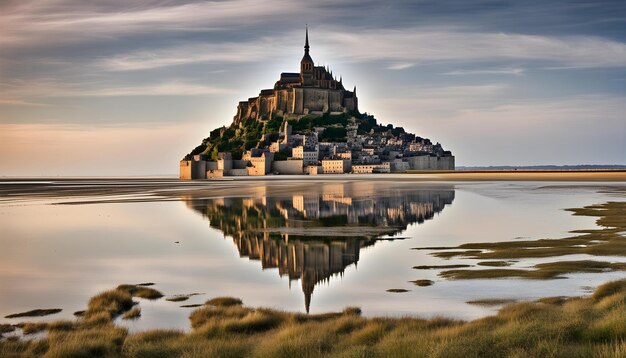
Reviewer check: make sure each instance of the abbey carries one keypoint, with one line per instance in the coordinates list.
(312, 91)
(309, 124)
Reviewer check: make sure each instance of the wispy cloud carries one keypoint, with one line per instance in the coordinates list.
(413, 45)
(229, 52)
(401, 48)
(21, 93)
(160, 89)
(400, 66)
(29, 23)
(495, 71)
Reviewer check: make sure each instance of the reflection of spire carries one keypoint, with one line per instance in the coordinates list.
(308, 291)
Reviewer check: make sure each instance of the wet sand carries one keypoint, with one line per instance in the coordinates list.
(168, 188)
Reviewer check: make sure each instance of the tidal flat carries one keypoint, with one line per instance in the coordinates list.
(301, 245)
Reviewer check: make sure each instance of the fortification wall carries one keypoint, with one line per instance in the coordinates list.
(291, 167)
(192, 169)
(240, 164)
(238, 172)
(399, 166)
(426, 162)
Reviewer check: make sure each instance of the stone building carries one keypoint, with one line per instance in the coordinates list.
(313, 89)
(309, 155)
(335, 166)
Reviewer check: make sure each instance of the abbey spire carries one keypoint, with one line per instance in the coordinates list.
(306, 41)
(306, 64)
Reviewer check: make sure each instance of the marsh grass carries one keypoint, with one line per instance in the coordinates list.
(397, 290)
(591, 326)
(491, 302)
(556, 300)
(607, 241)
(108, 304)
(422, 283)
(181, 298)
(32, 327)
(543, 271)
(6, 328)
(141, 291)
(35, 313)
(134, 313)
(596, 242)
(494, 263)
(437, 267)
(224, 301)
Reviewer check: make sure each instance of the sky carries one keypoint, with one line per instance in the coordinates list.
(128, 88)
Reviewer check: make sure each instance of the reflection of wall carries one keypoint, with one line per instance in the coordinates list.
(262, 225)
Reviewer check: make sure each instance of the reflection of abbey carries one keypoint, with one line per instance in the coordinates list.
(308, 123)
(315, 236)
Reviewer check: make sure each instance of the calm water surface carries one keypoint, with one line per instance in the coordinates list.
(295, 245)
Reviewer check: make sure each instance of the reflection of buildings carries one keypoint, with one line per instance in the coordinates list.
(311, 261)
(316, 233)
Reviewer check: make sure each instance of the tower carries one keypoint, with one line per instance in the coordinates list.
(306, 64)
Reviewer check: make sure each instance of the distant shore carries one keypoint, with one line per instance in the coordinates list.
(527, 175)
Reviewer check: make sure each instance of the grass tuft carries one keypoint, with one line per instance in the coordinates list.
(544, 271)
(108, 304)
(141, 291)
(609, 289)
(491, 302)
(352, 311)
(35, 313)
(557, 300)
(436, 267)
(397, 290)
(6, 328)
(494, 263)
(423, 283)
(224, 301)
(180, 298)
(134, 313)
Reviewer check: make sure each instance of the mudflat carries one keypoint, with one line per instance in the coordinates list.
(15, 188)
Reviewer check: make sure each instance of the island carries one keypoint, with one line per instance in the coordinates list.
(309, 124)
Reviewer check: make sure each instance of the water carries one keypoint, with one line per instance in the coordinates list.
(295, 245)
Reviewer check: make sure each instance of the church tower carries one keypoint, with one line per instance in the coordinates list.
(306, 64)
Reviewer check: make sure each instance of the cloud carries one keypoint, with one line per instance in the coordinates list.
(414, 45)
(263, 48)
(160, 89)
(401, 48)
(33, 22)
(495, 71)
(400, 66)
(18, 93)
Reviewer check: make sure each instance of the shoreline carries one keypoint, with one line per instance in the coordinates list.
(609, 175)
